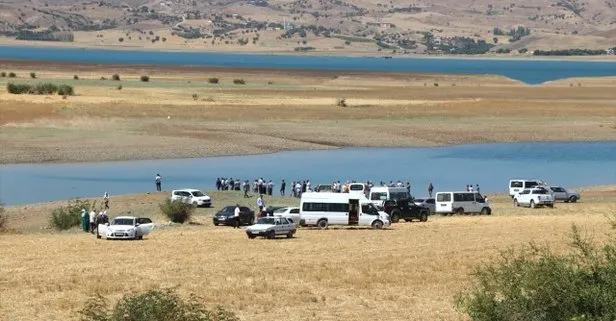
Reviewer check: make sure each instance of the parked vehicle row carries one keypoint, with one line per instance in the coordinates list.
(537, 193)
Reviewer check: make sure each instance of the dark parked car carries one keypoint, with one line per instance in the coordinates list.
(225, 216)
(405, 209)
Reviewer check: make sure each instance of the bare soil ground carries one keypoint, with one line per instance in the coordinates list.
(178, 113)
(408, 272)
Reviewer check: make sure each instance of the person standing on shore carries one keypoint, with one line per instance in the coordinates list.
(91, 219)
(236, 216)
(158, 181)
(106, 200)
(430, 189)
(260, 203)
(85, 220)
(283, 186)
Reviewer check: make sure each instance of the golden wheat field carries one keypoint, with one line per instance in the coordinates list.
(179, 113)
(408, 272)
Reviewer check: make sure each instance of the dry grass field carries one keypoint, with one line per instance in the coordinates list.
(178, 113)
(408, 272)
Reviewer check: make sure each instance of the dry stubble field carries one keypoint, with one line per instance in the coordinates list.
(284, 110)
(408, 272)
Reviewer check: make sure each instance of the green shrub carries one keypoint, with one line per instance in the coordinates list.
(18, 89)
(145, 78)
(75, 77)
(176, 210)
(115, 77)
(153, 305)
(66, 90)
(195, 97)
(33, 75)
(213, 80)
(12, 75)
(239, 81)
(44, 89)
(66, 217)
(3, 74)
(539, 285)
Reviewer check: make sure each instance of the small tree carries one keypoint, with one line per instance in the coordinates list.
(177, 211)
(213, 80)
(75, 77)
(145, 78)
(66, 90)
(66, 217)
(115, 77)
(12, 75)
(239, 81)
(3, 74)
(33, 75)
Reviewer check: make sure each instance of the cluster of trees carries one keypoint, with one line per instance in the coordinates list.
(514, 34)
(570, 52)
(46, 35)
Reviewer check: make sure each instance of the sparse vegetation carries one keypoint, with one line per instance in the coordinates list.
(145, 78)
(341, 102)
(66, 217)
(570, 52)
(12, 75)
(33, 75)
(213, 80)
(119, 87)
(177, 211)
(3, 219)
(3, 74)
(238, 81)
(75, 77)
(153, 305)
(39, 89)
(195, 97)
(539, 284)
(115, 77)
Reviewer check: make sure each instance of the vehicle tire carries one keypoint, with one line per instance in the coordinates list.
(423, 217)
(377, 225)
(271, 235)
(460, 211)
(140, 237)
(322, 223)
(252, 236)
(395, 216)
(532, 204)
(515, 203)
(550, 205)
(485, 211)
(290, 235)
(573, 199)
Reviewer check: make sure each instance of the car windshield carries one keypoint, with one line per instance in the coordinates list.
(378, 196)
(267, 220)
(122, 221)
(228, 209)
(198, 193)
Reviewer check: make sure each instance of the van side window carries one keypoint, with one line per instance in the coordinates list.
(479, 198)
(517, 184)
(530, 184)
(443, 197)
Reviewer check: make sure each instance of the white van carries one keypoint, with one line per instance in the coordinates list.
(379, 194)
(357, 188)
(518, 185)
(461, 203)
(324, 209)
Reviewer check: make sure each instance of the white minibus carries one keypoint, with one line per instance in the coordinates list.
(461, 203)
(518, 185)
(357, 188)
(324, 209)
(379, 194)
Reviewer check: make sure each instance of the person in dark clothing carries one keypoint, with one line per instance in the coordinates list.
(246, 188)
(158, 181)
(430, 189)
(283, 186)
(218, 183)
(303, 186)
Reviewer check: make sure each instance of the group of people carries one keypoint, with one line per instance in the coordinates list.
(470, 188)
(90, 220)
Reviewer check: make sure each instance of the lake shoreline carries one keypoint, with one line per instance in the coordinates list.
(286, 52)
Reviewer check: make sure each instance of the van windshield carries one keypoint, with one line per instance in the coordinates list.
(378, 196)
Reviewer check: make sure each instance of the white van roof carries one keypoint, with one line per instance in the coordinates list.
(334, 196)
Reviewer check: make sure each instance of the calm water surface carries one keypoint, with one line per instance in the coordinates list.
(528, 71)
(448, 168)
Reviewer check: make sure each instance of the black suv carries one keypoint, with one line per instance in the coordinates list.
(405, 209)
(225, 216)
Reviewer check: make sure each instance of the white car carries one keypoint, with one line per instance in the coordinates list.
(291, 213)
(126, 228)
(534, 197)
(270, 227)
(429, 203)
(192, 196)
(562, 194)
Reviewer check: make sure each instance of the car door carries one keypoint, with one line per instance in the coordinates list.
(245, 215)
(294, 215)
(145, 226)
(559, 193)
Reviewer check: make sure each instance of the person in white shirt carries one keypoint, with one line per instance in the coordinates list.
(260, 203)
(92, 216)
(236, 216)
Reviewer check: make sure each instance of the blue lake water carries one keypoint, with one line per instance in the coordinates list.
(528, 71)
(448, 168)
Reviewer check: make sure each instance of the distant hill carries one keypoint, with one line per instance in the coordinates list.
(363, 26)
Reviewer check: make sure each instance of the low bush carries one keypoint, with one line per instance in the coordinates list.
(3, 74)
(115, 77)
(119, 87)
(33, 75)
(75, 77)
(66, 217)
(341, 102)
(18, 89)
(540, 285)
(177, 211)
(239, 81)
(66, 90)
(12, 75)
(195, 97)
(213, 80)
(153, 305)
(44, 89)
(40, 89)
(145, 78)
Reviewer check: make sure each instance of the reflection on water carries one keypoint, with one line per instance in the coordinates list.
(448, 168)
